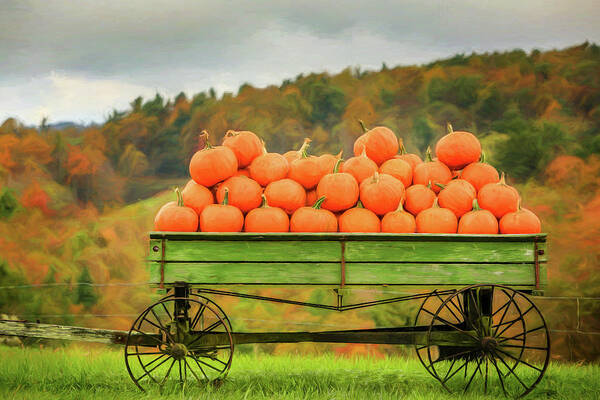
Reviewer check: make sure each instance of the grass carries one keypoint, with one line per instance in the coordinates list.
(83, 373)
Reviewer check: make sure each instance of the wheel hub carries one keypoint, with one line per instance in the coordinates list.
(178, 351)
(488, 344)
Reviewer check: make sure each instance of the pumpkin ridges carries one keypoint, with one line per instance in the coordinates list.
(380, 144)
(328, 161)
(360, 167)
(433, 171)
(457, 196)
(436, 220)
(313, 219)
(480, 173)
(499, 198)
(458, 149)
(381, 193)
(196, 196)
(412, 159)
(212, 165)
(221, 217)
(244, 193)
(245, 145)
(286, 194)
(522, 221)
(398, 221)
(296, 154)
(359, 219)
(399, 169)
(175, 217)
(305, 170)
(339, 188)
(418, 198)
(269, 167)
(478, 221)
(267, 219)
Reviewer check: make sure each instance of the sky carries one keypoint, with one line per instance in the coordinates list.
(78, 60)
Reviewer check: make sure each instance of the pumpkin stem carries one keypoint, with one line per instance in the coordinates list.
(429, 185)
(336, 167)
(502, 179)
(428, 155)
(402, 148)
(339, 155)
(305, 145)
(400, 206)
(519, 204)
(179, 197)
(204, 135)
(231, 132)
(264, 203)
(362, 125)
(226, 197)
(264, 149)
(317, 205)
(476, 205)
(482, 158)
(441, 186)
(435, 203)
(359, 204)
(364, 151)
(376, 177)
(449, 127)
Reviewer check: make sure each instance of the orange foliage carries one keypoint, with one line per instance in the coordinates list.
(35, 197)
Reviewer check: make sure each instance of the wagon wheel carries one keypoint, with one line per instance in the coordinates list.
(208, 301)
(179, 341)
(511, 343)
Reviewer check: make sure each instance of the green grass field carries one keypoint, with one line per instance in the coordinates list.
(81, 373)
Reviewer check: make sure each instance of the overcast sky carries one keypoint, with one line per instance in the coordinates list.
(77, 60)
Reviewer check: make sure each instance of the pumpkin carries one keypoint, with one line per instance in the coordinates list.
(212, 165)
(267, 219)
(418, 198)
(398, 221)
(175, 217)
(380, 144)
(381, 193)
(360, 167)
(286, 194)
(305, 170)
(499, 198)
(432, 171)
(399, 169)
(340, 190)
(457, 196)
(244, 192)
(458, 149)
(296, 154)
(243, 172)
(313, 219)
(412, 159)
(436, 220)
(311, 197)
(478, 221)
(327, 162)
(359, 219)
(480, 173)
(221, 217)
(521, 221)
(245, 144)
(269, 167)
(196, 196)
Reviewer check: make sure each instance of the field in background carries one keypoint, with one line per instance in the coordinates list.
(99, 373)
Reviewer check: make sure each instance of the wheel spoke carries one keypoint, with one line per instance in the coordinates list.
(216, 359)
(162, 327)
(475, 303)
(511, 370)
(519, 360)
(472, 376)
(451, 355)
(499, 376)
(199, 313)
(208, 365)
(145, 354)
(162, 382)
(449, 309)
(160, 342)
(521, 334)
(156, 366)
(436, 316)
(201, 370)
(524, 347)
(446, 379)
(510, 323)
(180, 374)
(210, 328)
(191, 370)
(486, 375)
(167, 311)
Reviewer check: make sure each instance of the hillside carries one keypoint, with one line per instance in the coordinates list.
(75, 203)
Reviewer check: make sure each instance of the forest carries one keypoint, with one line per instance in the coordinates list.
(76, 203)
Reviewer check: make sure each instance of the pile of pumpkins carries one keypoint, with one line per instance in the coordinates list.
(239, 186)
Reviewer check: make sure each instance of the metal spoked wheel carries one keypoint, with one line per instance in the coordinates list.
(510, 347)
(179, 341)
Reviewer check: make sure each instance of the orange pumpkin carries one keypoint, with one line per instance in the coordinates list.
(267, 219)
(243, 172)
(399, 169)
(286, 194)
(360, 167)
(432, 171)
(359, 219)
(398, 221)
(499, 198)
(480, 173)
(296, 154)
(436, 220)
(269, 167)
(410, 158)
(418, 198)
(196, 196)
(380, 144)
(244, 192)
(175, 217)
(212, 165)
(245, 144)
(221, 217)
(313, 219)
(521, 221)
(305, 170)
(311, 197)
(381, 193)
(340, 190)
(478, 221)
(458, 149)
(327, 162)
(457, 196)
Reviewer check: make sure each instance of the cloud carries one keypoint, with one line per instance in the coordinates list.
(191, 45)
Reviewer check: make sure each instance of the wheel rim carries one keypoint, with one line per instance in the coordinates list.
(187, 341)
(511, 343)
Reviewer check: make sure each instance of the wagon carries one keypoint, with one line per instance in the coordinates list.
(476, 326)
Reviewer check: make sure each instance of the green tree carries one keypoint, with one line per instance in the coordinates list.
(86, 294)
(8, 204)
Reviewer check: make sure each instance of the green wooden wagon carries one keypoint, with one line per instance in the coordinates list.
(476, 326)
